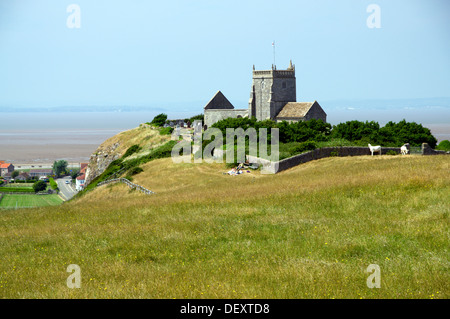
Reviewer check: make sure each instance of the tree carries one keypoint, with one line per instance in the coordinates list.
(14, 174)
(74, 173)
(159, 120)
(59, 167)
(39, 186)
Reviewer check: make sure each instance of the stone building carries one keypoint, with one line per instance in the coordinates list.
(273, 96)
(6, 168)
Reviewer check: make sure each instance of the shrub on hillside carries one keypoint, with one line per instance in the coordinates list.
(166, 131)
(159, 120)
(131, 150)
(135, 170)
(444, 145)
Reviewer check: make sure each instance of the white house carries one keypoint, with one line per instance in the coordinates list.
(80, 182)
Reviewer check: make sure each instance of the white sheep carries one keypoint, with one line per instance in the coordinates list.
(404, 150)
(375, 149)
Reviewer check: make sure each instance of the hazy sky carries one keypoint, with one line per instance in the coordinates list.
(145, 53)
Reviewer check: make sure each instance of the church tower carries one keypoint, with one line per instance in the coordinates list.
(271, 90)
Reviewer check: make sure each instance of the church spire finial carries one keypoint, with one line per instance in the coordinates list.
(291, 67)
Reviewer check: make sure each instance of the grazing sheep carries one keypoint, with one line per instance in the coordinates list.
(404, 150)
(375, 149)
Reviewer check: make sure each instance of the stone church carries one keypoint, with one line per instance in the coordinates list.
(273, 96)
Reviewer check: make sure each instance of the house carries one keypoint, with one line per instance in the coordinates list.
(6, 168)
(22, 177)
(80, 180)
(7, 177)
(83, 168)
(45, 172)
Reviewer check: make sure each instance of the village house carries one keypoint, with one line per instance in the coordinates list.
(24, 176)
(80, 180)
(6, 168)
(44, 172)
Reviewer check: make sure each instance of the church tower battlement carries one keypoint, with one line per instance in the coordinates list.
(271, 90)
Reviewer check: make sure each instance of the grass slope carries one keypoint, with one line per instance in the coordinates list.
(308, 232)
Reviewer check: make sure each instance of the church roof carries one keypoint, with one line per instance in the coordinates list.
(295, 109)
(219, 101)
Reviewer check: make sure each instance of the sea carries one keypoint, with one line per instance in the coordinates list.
(43, 137)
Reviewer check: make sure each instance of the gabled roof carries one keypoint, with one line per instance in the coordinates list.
(5, 165)
(81, 178)
(295, 109)
(219, 101)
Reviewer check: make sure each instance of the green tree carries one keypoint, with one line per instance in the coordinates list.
(39, 186)
(159, 120)
(59, 167)
(14, 174)
(444, 145)
(74, 173)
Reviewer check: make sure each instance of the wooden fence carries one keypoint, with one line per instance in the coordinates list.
(128, 183)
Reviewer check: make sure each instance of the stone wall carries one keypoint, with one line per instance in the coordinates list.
(214, 115)
(427, 150)
(276, 167)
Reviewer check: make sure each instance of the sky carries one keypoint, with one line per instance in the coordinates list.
(179, 53)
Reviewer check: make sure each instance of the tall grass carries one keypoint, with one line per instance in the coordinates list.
(308, 232)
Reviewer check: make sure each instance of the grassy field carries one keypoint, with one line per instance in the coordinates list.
(307, 232)
(13, 201)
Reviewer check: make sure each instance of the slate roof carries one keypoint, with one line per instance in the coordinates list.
(295, 109)
(219, 101)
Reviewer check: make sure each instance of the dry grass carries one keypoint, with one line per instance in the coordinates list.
(145, 136)
(308, 232)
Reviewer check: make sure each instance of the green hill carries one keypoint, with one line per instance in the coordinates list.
(308, 232)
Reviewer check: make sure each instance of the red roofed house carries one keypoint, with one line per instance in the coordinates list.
(6, 168)
(79, 185)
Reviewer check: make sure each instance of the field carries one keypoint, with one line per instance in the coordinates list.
(307, 232)
(20, 201)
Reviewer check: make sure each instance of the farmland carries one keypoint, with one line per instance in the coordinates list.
(23, 201)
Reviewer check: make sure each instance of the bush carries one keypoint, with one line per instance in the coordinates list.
(303, 147)
(392, 134)
(131, 150)
(199, 117)
(159, 120)
(135, 170)
(391, 152)
(166, 131)
(39, 186)
(52, 183)
(444, 145)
